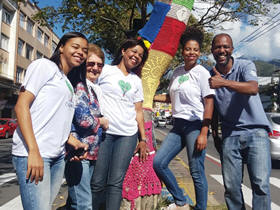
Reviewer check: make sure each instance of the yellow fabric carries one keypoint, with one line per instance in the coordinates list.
(151, 73)
(147, 43)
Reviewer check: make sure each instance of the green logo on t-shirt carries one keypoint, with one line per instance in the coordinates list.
(125, 86)
(183, 78)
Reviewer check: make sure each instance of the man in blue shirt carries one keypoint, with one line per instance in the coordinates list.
(244, 126)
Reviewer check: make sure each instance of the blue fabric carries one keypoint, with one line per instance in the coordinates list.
(239, 112)
(152, 27)
(183, 134)
(252, 148)
(78, 176)
(42, 195)
(113, 160)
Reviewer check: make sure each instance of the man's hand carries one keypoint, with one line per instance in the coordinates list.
(216, 81)
(143, 151)
(35, 167)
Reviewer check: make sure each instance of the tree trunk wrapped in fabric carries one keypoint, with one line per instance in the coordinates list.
(161, 35)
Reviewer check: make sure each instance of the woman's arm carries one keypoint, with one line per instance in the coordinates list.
(35, 164)
(83, 115)
(142, 146)
(207, 116)
(165, 98)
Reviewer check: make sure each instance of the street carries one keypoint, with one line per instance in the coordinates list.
(9, 191)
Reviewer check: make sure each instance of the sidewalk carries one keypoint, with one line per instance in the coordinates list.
(181, 172)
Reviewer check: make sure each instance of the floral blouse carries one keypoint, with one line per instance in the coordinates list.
(86, 124)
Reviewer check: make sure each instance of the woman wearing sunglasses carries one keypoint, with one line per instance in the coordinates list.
(87, 126)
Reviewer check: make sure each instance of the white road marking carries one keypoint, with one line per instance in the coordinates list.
(16, 203)
(7, 177)
(13, 204)
(213, 158)
(247, 192)
(275, 181)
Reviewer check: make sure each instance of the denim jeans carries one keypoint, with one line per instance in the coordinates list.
(78, 176)
(184, 133)
(42, 195)
(252, 148)
(114, 156)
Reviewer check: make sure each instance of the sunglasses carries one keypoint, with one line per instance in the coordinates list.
(92, 64)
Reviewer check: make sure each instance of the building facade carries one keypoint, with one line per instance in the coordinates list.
(22, 41)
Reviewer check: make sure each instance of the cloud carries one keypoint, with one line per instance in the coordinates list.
(265, 47)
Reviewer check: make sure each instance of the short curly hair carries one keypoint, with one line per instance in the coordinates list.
(192, 33)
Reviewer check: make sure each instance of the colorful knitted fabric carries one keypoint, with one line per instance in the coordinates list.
(141, 179)
(164, 41)
(179, 12)
(151, 73)
(164, 38)
(152, 27)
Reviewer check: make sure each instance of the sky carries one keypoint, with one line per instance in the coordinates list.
(266, 47)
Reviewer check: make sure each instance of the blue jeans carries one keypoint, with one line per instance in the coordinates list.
(184, 133)
(42, 195)
(78, 176)
(114, 156)
(252, 148)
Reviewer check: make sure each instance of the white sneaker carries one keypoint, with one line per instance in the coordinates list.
(173, 206)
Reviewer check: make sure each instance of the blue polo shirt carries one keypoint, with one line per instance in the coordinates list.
(239, 112)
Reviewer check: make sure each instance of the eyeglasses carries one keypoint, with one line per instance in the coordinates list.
(92, 64)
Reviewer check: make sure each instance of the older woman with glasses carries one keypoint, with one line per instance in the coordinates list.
(87, 126)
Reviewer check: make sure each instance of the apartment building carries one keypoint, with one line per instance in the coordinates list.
(22, 40)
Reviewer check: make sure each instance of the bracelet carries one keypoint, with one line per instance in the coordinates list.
(143, 139)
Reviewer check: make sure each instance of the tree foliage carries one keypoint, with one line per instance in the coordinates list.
(107, 22)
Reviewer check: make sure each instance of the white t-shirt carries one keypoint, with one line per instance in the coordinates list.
(187, 90)
(51, 111)
(120, 92)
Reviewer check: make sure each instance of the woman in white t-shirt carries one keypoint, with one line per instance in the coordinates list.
(192, 108)
(122, 103)
(44, 110)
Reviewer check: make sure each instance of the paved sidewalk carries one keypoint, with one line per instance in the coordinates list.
(181, 172)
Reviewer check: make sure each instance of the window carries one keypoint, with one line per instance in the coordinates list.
(53, 46)
(20, 47)
(30, 25)
(4, 42)
(19, 75)
(39, 55)
(7, 17)
(46, 40)
(22, 20)
(39, 34)
(28, 52)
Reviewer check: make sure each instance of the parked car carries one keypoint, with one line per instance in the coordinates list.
(7, 127)
(274, 136)
(160, 121)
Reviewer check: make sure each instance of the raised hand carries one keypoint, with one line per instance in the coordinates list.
(216, 81)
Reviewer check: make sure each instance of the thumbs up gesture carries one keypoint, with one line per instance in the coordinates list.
(217, 80)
